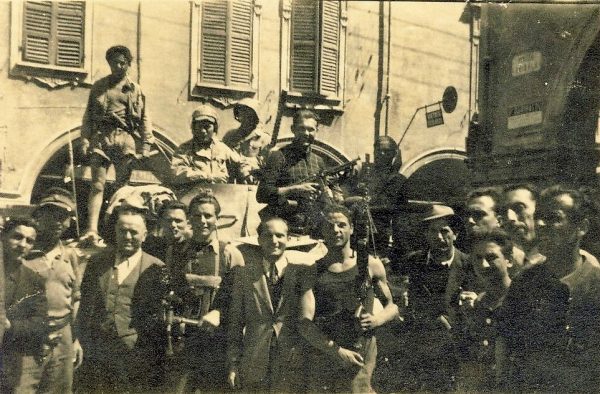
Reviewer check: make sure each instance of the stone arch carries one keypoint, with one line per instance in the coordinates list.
(437, 175)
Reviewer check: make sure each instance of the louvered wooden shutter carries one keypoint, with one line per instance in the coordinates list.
(37, 31)
(329, 51)
(240, 44)
(53, 33)
(69, 34)
(213, 53)
(303, 73)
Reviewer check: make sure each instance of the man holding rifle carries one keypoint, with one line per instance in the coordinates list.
(284, 185)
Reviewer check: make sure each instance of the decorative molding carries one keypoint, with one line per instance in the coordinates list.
(286, 9)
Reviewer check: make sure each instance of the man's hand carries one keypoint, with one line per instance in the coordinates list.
(233, 379)
(211, 321)
(84, 147)
(369, 321)
(7, 324)
(78, 354)
(467, 299)
(351, 358)
(146, 150)
(308, 188)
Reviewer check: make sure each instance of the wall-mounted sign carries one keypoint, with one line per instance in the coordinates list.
(525, 115)
(434, 117)
(525, 63)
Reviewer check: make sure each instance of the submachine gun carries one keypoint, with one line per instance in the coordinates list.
(188, 310)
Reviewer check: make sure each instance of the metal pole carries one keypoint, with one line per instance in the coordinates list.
(73, 188)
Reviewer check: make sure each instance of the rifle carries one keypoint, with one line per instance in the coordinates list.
(277, 124)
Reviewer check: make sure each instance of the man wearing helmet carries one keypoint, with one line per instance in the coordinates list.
(204, 159)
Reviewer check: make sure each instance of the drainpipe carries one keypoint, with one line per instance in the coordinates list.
(138, 58)
(380, 71)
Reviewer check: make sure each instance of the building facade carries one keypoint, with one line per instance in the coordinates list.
(364, 66)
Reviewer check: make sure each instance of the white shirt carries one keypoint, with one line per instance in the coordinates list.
(447, 263)
(280, 264)
(124, 267)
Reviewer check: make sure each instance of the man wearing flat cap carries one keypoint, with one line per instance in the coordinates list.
(43, 358)
(204, 159)
(115, 119)
(430, 357)
(121, 316)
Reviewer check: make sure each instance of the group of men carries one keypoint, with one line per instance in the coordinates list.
(519, 311)
(502, 297)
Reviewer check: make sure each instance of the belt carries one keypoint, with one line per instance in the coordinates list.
(56, 323)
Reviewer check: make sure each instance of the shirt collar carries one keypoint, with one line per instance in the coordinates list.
(446, 263)
(280, 264)
(133, 259)
(212, 245)
(201, 150)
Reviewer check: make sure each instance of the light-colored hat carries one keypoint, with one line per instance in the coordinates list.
(205, 112)
(439, 211)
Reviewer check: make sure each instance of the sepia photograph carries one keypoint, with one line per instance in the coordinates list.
(299, 196)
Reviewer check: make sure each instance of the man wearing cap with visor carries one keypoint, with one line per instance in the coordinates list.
(430, 361)
(44, 358)
(204, 159)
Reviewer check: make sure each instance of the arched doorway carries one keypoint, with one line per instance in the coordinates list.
(438, 175)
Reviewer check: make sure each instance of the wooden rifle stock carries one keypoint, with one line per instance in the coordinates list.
(277, 124)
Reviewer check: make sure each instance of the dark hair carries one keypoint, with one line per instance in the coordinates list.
(337, 208)
(493, 192)
(12, 223)
(263, 224)
(205, 196)
(119, 50)
(526, 186)
(582, 206)
(304, 114)
(497, 236)
(171, 205)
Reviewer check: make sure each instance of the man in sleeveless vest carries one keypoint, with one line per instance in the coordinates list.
(121, 313)
(116, 116)
(337, 326)
(43, 358)
(202, 279)
(263, 343)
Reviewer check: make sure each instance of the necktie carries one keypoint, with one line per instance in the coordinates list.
(274, 274)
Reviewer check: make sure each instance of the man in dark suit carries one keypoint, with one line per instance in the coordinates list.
(263, 352)
(120, 316)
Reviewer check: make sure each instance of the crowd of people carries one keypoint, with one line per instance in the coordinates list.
(502, 297)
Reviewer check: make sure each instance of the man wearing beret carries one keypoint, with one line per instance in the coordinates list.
(116, 116)
(43, 357)
(204, 159)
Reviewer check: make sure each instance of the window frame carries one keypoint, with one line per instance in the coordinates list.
(20, 67)
(314, 100)
(198, 88)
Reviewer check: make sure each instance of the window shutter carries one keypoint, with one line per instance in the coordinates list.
(240, 53)
(37, 31)
(330, 37)
(303, 75)
(70, 33)
(213, 53)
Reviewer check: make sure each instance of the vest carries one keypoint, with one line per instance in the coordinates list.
(118, 306)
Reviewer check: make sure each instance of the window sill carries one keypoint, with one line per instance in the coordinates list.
(224, 95)
(295, 100)
(71, 75)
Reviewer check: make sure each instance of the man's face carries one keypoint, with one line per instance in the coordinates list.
(384, 153)
(18, 242)
(118, 65)
(274, 238)
(489, 262)
(52, 222)
(336, 230)
(130, 232)
(203, 131)
(204, 221)
(520, 209)
(305, 131)
(252, 146)
(554, 226)
(481, 215)
(440, 236)
(175, 225)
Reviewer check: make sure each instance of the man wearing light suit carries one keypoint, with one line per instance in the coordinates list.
(265, 300)
(120, 314)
